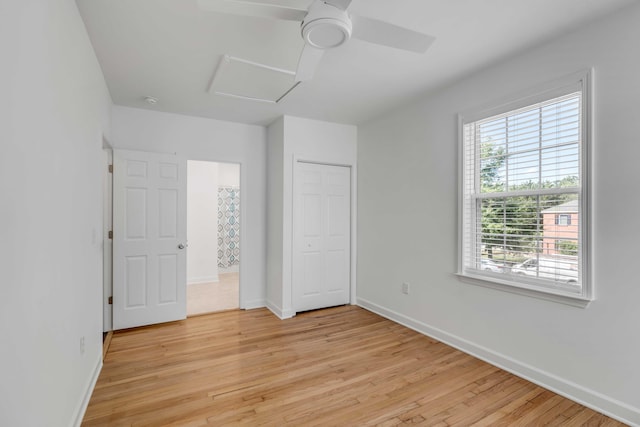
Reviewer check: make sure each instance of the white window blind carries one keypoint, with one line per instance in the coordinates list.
(522, 186)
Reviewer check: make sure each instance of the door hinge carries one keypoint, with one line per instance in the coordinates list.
(110, 168)
(111, 234)
(110, 300)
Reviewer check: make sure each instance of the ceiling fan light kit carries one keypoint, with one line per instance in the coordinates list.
(326, 33)
(326, 26)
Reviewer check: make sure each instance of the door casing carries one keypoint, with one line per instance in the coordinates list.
(300, 242)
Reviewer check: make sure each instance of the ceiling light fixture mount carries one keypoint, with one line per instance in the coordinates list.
(151, 100)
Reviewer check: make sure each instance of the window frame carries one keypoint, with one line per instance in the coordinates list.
(578, 82)
(559, 221)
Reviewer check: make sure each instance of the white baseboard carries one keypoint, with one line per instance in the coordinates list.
(250, 305)
(282, 314)
(88, 392)
(587, 397)
(203, 279)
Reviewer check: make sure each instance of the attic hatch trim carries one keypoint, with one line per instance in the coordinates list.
(227, 59)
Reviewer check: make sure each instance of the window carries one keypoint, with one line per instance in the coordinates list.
(563, 219)
(524, 195)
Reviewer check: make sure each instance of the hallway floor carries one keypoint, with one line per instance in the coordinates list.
(214, 296)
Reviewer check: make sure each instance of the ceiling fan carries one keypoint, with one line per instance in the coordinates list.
(325, 24)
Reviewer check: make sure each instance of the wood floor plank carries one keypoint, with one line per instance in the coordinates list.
(342, 366)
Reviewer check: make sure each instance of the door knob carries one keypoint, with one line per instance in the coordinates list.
(181, 246)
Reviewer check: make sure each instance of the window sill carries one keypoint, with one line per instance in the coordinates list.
(520, 289)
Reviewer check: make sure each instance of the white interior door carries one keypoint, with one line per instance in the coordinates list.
(149, 238)
(321, 236)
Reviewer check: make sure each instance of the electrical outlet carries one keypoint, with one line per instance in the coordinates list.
(405, 288)
(81, 345)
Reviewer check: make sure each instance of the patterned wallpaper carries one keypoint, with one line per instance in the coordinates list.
(228, 226)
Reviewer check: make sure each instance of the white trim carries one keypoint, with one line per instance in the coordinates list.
(582, 82)
(575, 82)
(202, 279)
(88, 392)
(611, 407)
(246, 98)
(227, 59)
(587, 171)
(521, 288)
(230, 58)
(253, 304)
(280, 313)
(107, 243)
(243, 244)
(242, 268)
(354, 234)
(460, 193)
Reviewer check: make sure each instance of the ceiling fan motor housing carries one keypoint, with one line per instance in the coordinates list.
(326, 26)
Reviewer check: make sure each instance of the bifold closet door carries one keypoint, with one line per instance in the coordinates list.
(321, 236)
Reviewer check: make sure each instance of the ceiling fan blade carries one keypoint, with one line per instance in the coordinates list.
(281, 10)
(340, 4)
(386, 34)
(308, 63)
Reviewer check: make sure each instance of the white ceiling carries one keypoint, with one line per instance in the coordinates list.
(169, 49)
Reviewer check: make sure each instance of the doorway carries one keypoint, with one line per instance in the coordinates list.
(213, 235)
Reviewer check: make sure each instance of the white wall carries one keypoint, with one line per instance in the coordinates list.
(212, 140)
(407, 163)
(293, 138)
(275, 206)
(202, 221)
(54, 111)
(228, 175)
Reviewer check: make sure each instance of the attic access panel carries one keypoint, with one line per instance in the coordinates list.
(241, 78)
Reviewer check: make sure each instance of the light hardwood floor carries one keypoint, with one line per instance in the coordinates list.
(214, 296)
(342, 366)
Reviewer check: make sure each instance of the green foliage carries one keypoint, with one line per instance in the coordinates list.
(511, 223)
(567, 247)
(514, 224)
(492, 160)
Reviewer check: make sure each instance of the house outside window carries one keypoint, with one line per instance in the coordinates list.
(525, 192)
(560, 228)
